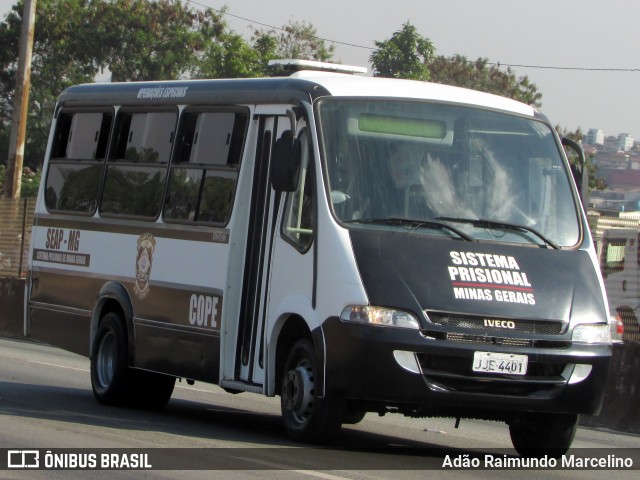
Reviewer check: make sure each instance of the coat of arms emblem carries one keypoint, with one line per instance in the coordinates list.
(144, 262)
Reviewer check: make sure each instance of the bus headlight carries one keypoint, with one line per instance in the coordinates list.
(592, 333)
(379, 316)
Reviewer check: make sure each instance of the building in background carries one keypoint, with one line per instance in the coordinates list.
(595, 136)
(625, 142)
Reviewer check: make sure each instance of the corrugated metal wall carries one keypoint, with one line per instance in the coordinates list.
(16, 218)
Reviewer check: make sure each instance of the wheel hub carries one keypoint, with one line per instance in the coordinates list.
(298, 392)
(106, 360)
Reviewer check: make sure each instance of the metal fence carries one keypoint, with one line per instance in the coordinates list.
(16, 218)
(620, 264)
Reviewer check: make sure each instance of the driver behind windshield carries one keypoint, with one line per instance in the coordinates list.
(405, 197)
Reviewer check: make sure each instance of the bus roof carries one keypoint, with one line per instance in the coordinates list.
(351, 85)
(300, 86)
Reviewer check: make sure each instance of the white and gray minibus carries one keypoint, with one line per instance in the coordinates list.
(351, 244)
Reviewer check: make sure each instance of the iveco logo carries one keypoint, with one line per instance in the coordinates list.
(500, 324)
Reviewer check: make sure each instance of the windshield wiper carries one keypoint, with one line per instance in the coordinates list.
(481, 223)
(416, 223)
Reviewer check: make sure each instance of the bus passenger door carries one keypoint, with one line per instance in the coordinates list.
(243, 362)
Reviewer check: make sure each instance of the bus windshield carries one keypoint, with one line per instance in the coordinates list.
(446, 170)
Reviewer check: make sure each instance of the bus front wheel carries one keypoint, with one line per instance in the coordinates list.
(307, 417)
(539, 434)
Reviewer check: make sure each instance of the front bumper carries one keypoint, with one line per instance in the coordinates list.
(385, 368)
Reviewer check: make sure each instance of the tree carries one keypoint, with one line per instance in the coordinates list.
(479, 75)
(60, 58)
(227, 54)
(144, 40)
(133, 39)
(30, 181)
(296, 40)
(405, 55)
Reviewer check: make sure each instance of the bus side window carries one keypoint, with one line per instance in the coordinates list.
(137, 167)
(204, 170)
(299, 218)
(77, 158)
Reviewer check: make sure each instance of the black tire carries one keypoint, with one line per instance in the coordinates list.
(353, 415)
(113, 381)
(111, 378)
(540, 434)
(307, 417)
(152, 391)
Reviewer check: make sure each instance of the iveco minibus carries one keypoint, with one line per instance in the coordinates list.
(351, 244)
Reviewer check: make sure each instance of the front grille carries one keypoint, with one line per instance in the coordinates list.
(509, 342)
(472, 322)
(496, 340)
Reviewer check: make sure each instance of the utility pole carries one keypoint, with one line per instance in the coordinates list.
(13, 181)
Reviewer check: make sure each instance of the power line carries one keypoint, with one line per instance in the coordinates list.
(582, 69)
(373, 49)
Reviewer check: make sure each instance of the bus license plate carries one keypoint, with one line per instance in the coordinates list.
(508, 363)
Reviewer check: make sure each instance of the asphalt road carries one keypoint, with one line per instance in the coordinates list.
(46, 403)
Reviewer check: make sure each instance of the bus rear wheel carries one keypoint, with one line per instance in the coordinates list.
(113, 381)
(540, 434)
(307, 417)
(110, 376)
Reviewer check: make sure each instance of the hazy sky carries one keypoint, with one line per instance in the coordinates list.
(575, 34)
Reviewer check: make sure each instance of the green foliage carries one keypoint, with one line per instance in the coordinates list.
(595, 181)
(405, 55)
(75, 40)
(4, 142)
(30, 181)
(296, 40)
(479, 75)
(143, 40)
(228, 56)
(61, 57)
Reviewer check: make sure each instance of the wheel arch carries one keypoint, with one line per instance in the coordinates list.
(113, 297)
(289, 329)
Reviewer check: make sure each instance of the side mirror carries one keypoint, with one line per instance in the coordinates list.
(578, 169)
(285, 163)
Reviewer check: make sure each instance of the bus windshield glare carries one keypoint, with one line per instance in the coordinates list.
(483, 174)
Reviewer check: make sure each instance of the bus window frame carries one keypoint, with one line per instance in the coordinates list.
(54, 160)
(162, 166)
(306, 175)
(234, 168)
